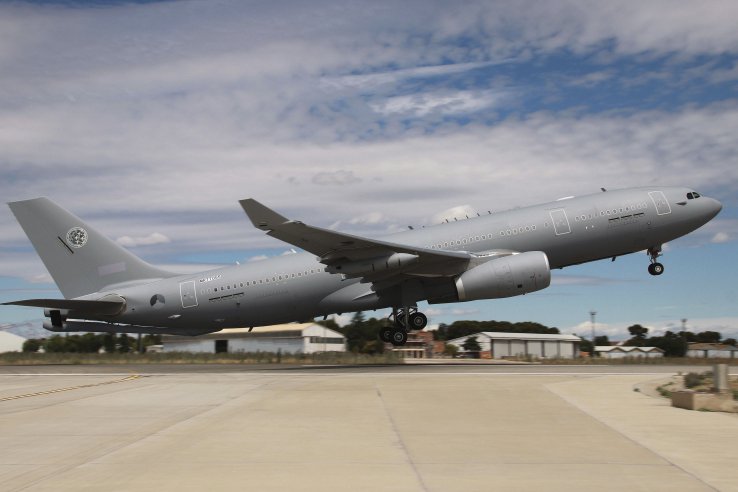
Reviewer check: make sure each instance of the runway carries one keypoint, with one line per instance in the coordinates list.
(409, 428)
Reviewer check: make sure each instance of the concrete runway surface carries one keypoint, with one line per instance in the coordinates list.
(404, 428)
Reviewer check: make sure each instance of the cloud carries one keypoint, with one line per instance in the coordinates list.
(721, 237)
(457, 212)
(377, 79)
(335, 178)
(464, 311)
(151, 239)
(453, 103)
(160, 116)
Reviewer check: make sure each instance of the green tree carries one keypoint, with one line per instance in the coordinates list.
(361, 334)
(602, 340)
(709, 337)
(638, 336)
(109, 343)
(471, 344)
(730, 341)
(673, 344)
(31, 345)
(358, 318)
(55, 344)
(585, 345)
(451, 349)
(124, 344)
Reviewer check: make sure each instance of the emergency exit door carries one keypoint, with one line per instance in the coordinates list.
(188, 294)
(560, 221)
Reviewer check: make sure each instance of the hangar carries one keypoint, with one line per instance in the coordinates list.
(712, 350)
(295, 338)
(10, 342)
(498, 345)
(620, 352)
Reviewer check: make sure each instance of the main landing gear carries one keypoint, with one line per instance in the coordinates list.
(655, 268)
(403, 320)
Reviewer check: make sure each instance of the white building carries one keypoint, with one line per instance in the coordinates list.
(10, 342)
(497, 345)
(712, 350)
(620, 352)
(306, 338)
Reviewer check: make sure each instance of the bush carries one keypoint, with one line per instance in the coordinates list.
(693, 379)
(31, 345)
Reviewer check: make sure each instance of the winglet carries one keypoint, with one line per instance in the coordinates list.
(261, 216)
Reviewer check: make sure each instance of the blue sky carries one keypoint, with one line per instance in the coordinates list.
(151, 119)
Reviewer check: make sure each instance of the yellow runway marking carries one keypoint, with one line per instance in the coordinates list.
(70, 388)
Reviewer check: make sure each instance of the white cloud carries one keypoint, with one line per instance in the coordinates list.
(454, 213)
(336, 178)
(377, 79)
(163, 115)
(720, 237)
(423, 104)
(151, 239)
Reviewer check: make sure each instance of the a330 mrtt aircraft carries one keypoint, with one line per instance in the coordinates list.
(108, 289)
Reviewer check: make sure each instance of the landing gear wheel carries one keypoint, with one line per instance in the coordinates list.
(385, 334)
(418, 321)
(399, 337)
(656, 268)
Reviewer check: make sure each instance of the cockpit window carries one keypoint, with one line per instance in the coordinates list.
(696, 195)
(690, 195)
(693, 194)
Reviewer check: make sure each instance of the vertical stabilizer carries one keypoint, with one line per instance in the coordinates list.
(79, 258)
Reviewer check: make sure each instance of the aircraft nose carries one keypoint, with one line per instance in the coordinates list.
(713, 207)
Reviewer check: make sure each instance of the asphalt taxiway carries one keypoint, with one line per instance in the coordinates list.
(409, 427)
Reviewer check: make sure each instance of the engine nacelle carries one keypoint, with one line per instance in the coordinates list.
(506, 276)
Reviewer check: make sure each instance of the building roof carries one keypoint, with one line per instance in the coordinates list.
(268, 329)
(287, 330)
(711, 346)
(625, 349)
(497, 335)
(10, 342)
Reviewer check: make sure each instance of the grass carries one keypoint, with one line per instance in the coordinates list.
(327, 358)
(664, 389)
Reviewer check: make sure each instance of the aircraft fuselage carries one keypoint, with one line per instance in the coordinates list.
(297, 286)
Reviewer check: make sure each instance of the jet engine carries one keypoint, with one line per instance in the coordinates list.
(505, 276)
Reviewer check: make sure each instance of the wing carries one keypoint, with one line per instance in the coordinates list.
(354, 256)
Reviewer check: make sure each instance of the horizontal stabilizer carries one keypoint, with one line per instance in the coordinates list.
(106, 307)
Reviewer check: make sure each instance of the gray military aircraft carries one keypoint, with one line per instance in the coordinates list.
(504, 254)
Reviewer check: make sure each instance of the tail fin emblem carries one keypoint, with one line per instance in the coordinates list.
(77, 237)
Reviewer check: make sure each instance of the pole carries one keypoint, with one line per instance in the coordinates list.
(592, 315)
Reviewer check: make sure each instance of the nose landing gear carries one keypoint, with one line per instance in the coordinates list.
(403, 320)
(655, 268)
